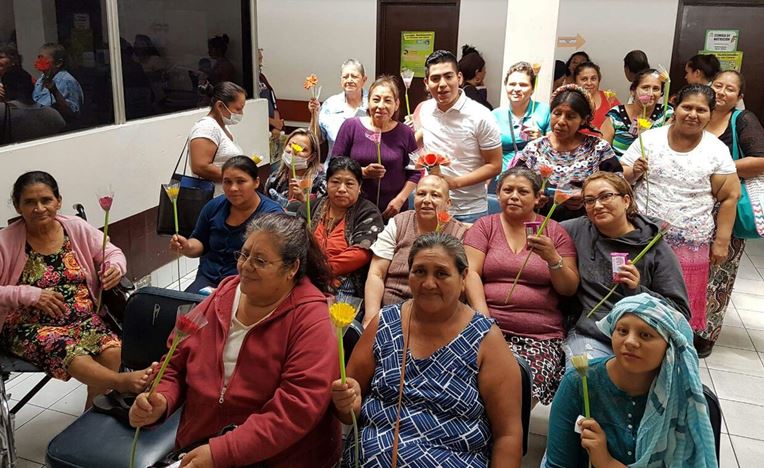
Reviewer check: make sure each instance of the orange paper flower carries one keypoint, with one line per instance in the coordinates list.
(561, 196)
(43, 64)
(430, 160)
(443, 218)
(310, 81)
(546, 171)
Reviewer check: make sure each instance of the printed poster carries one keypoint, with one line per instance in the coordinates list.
(721, 40)
(416, 46)
(728, 60)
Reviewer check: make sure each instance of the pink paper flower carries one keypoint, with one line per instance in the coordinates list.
(375, 137)
(106, 202)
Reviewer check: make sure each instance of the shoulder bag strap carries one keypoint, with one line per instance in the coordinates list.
(733, 124)
(512, 132)
(185, 164)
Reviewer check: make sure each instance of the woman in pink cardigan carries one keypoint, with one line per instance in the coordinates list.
(48, 281)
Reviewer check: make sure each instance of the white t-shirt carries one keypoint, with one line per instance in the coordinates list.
(208, 128)
(460, 133)
(680, 183)
(384, 246)
(236, 334)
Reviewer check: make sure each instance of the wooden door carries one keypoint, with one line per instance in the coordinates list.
(395, 16)
(696, 16)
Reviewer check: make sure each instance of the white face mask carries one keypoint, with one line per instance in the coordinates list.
(233, 119)
(299, 163)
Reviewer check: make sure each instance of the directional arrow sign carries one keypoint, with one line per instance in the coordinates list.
(571, 41)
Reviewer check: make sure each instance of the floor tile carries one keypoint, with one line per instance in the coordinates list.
(73, 403)
(752, 319)
(32, 438)
(24, 463)
(705, 377)
(743, 419)
(536, 448)
(738, 387)
(755, 247)
(26, 413)
(54, 391)
(749, 452)
(727, 457)
(539, 423)
(735, 337)
(748, 272)
(748, 286)
(732, 317)
(748, 301)
(24, 386)
(757, 338)
(757, 260)
(735, 360)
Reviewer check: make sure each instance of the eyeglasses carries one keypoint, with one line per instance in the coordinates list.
(603, 198)
(255, 262)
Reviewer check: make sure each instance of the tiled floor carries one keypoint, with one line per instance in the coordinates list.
(735, 371)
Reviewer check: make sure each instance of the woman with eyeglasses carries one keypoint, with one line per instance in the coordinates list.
(613, 225)
(263, 362)
(219, 231)
(345, 225)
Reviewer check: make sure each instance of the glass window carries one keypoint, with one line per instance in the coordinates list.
(170, 47)
(54, 68)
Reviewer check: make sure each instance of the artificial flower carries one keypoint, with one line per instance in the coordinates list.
(342, 314)
(644, 124)
(665, 78)
(305, 185)
(173, 191)
(431, 160)
(310, 81)
(105, 200)
(186, 324)
(43, 64)
(581, 364)
(296, 149)
(546, 172)
(407, 76)
(257, 159)
(443, 218)
(536, 68)
(609, 94)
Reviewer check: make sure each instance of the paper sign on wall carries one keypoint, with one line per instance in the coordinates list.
(415, 47)
(728, 60)
(722, 40)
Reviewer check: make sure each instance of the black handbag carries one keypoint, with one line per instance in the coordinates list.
(194, 194)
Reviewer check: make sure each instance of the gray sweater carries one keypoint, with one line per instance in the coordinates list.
(659, 270)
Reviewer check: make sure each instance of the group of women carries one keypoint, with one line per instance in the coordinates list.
(449, 308)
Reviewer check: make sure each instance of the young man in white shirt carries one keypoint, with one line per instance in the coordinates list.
(464, 131)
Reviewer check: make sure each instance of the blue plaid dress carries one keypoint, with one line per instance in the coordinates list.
(443, 419)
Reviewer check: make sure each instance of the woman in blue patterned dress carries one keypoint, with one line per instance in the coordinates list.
(457, 401)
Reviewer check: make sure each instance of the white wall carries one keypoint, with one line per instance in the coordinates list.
(134, 158)
(300, 37)
(612, 28)
(35, 25)
(482, 24)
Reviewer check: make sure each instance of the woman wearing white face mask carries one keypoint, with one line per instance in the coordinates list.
(210, 142)
(282, 186)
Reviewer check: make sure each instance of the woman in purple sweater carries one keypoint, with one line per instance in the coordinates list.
(389, 184)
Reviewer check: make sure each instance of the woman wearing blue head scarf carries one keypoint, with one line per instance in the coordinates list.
(647, 404)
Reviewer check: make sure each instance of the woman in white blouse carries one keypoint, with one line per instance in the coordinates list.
(210, 142)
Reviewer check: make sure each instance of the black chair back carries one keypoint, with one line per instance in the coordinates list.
(715, 413)
(352, 334)
(149, 319)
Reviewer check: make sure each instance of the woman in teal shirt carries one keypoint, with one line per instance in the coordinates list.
(525, 119)
(647, 403)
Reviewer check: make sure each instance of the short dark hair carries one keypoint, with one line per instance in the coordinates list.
(471, 62)
(583, 66)
(344, 163)
(242, 163)
(570, 59)
(57, 51)
(219, 42)
(520, 171)
(707, 64)
(636, 61)
(576, 98)
(30, 178)
(703, 90)
(440, 56)
(522, 67)
(447, 242)
(18, 86)
(225, 91)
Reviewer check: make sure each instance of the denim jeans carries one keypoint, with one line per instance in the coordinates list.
(579, 344)
(470, 218)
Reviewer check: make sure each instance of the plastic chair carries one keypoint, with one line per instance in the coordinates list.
(715, 413)
(149, 319)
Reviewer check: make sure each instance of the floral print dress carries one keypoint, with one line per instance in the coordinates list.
(52, 343)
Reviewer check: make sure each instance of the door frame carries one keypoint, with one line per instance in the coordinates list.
(381, 21)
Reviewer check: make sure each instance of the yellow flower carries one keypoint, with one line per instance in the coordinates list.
(296, 149)
(663, 74)
(536, 68)
(609, 93)
(257, 159)
(644, 123)
(342, 314)
(172, 190)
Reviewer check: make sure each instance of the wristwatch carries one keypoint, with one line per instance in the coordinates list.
(556, 266)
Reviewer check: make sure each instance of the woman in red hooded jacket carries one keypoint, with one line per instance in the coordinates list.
(263, 362)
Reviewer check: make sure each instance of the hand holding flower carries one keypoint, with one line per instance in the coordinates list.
(178, 243)
(629, 276)
(147, 409)
(373, 171)
(346, 396)
(594, 441)
(110, 277)
(639, 168)
(544, 248)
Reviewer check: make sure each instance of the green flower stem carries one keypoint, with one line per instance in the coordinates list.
(408, 109)
(343, 379)
(103, 256)
(538, 233)
(379, 161)
(633, 262)
(175, 342)
(587, 413)
(665, 100)
(177, 231)
(308, 201)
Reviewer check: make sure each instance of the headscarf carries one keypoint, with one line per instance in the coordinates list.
(675, 429)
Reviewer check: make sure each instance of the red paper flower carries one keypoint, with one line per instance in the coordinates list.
(561, 196)
(546, 171)
(43, 64)
(444, 217)
(430, 160)
(191, 322)
(106, 202)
